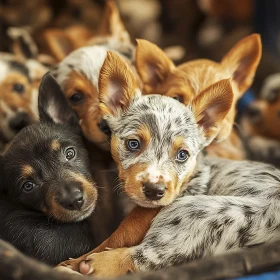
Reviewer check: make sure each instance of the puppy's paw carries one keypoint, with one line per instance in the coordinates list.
(108, 263)
(72, 264)
(66, 269)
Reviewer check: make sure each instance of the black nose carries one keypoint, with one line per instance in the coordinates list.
(20, 121)
(253, 112)
(154, 191)
(104, 127)
(72, 200)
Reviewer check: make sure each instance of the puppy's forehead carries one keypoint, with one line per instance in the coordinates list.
(164, 117)
(86, 60)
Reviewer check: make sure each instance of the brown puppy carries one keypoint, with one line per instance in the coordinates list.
(160, 76)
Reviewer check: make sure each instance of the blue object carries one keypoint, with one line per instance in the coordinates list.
(245, 101)
(265, 276)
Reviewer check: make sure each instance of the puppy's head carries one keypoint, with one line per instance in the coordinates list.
(160, 76)
(263, 115)
(18, 94)
(78, 74)
(156, 139)
(46, 166)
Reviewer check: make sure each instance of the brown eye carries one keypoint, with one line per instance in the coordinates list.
(19, 88)
(179, 98)
(77, 98)
(273, 96)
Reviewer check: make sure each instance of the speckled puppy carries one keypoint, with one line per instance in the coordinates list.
(212, 205)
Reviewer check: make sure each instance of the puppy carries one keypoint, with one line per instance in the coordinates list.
(160, 76)
(261, 121)
(157, 144)
(19, 82)
(47, 190)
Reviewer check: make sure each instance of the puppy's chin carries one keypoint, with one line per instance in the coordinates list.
(146, 203)
(67, 216)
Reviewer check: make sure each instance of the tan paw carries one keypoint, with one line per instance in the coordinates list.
(72, 264)
(108, 263)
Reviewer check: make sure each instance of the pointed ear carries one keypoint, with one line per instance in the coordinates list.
(58, 43)
(117, 85)
(242, 61)
(211, 106)
(152, 64)
(53, 105)
(112, 23)
(23, 45)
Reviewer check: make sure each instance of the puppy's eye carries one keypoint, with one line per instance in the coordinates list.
(104, 127)
(182, 156)
(28, 186)
(273, 96)
(77, 98)
(19, 88)
(133, 144)
(70, 153)
(179, 98)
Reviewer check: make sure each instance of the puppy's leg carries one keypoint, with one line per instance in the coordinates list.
(131, 232)
(191, 228)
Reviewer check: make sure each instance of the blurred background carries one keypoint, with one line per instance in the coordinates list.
(185, 29)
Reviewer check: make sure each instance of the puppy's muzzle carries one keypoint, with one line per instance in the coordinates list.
(20, 121)
(154, 191)
(71, 199)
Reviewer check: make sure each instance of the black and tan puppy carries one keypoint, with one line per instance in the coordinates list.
(47, 190)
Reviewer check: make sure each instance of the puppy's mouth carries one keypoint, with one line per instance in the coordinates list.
(65, 215)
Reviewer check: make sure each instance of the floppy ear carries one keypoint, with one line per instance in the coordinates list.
(242, 61)
(152, 64)
(117, 85)
(23, 45)
(53, 105)
(112, 23)
(211, 106)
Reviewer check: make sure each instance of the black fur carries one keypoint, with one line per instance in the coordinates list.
(26, 218)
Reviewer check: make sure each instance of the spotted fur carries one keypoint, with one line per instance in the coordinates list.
(222, 205)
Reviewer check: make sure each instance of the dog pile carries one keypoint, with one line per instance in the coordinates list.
(115, 157)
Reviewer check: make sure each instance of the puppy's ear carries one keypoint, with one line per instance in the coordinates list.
(58, 43)
(23, 45)
(53, 105)
(152, 64)
(211, 106)
(117, 85)
(242, 61)
(112, 23)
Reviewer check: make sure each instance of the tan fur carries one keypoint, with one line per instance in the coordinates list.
(115, 70)
(160, 76)
(55, 145)
(130, 232)
(27, 171)
(13, 99)
(269, 121)
(87, 111)
(58, 211)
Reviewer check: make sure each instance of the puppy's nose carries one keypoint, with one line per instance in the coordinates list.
(153, 191)
(20, 121)
(72, 201)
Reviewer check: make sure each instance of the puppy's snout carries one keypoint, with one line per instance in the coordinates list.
(72, 199)
(154, 191)
(20, 121)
